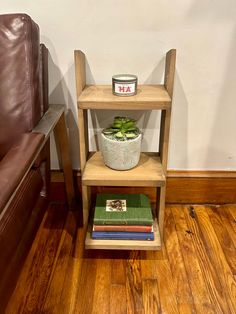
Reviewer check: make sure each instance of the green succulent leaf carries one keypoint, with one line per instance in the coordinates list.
(132, 129)
(114, 130)
(129, 124)
(110, 131)
(122, 128)
(119, 135)
(131, 135)
(117, 125)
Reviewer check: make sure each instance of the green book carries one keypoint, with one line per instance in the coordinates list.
(122, 209)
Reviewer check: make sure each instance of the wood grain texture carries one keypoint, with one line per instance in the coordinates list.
(151, 299)
(83, 144)
(211, 274)
(85, 300)
(223, 235)
(118, 299)
(164, 137)
(216, 256)
(192, 274)
(134, 289)
(193, 268)
(185, 301)
(206, 188)
(102, 292)
(35, 276)
(148, 97)
(83, 134)
(166, 289)
(60, 286)
(228, 221)
(149, 172)
(161, 210)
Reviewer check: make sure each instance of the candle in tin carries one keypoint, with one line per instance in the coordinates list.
(124, 84)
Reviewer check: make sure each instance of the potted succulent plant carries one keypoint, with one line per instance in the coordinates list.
(121, 144)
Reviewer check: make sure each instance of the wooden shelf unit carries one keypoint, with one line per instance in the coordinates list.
(152, 168)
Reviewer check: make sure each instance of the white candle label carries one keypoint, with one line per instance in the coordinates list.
(124, 88)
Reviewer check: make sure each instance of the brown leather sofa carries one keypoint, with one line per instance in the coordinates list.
(23, 102)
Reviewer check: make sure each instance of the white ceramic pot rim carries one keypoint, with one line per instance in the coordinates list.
(122, 142)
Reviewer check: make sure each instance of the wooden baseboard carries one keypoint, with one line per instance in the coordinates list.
(183, 187)
(201, 187)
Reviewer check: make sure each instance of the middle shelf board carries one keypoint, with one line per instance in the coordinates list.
(148, 97)
(149, 172)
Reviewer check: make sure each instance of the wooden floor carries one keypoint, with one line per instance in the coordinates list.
(194, 273)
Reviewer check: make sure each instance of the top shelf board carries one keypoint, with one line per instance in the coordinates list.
(148, 97)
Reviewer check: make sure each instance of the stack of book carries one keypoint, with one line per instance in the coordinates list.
(123, 216)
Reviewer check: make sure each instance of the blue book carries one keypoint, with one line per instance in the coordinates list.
(113, 235)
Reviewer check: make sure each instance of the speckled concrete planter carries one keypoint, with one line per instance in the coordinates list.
(121, 155)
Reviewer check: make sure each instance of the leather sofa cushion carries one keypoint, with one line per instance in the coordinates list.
(20, 93)
(15, 163)
(14, 220)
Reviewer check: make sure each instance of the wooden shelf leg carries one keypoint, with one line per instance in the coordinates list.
(86, 197)
(161, 209)
(83, 142)
(164, 137)
(60, 132)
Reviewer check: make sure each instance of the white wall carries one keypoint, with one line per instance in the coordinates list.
(133, 36)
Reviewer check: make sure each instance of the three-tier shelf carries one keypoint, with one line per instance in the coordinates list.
(152, 167)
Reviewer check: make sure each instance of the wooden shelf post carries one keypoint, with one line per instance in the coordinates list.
(164, 132)
(83, 130)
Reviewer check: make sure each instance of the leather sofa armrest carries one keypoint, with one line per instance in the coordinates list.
(15, 164)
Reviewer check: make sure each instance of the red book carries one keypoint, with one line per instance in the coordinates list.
(123, 228)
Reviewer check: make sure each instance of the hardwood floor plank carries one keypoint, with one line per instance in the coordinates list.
(147, 263)
(134, 284)
(148, 260)
(80, 258)
(217, 257)
(226, 243)
(228, 221)
(167, 292)
(85, 294)
(118, 269)
(194, 271)
(180, 279)
(34, 278)
(151, 299)
(215, 290)
(118, 272)
(101, 298)
(60, 287)
(117, 299)
(232, 212)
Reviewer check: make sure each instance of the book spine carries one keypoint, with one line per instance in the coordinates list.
(125, 228)
(123, 222)
(123, 235)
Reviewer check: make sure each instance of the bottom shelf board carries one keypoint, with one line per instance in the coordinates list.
(124, 244)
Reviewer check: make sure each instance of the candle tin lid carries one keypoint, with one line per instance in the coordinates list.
(124, 84)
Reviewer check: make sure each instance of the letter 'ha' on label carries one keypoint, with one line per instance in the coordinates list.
(124, 89)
